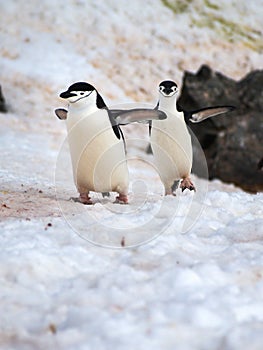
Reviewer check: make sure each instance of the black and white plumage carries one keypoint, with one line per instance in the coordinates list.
(96, 141)
(171, 141)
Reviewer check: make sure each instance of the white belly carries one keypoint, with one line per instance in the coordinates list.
(172, 149)
(98, 157)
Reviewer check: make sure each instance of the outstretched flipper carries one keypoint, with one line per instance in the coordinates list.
(125, 116)
(61, 113)
(139, 115)
(199, 115)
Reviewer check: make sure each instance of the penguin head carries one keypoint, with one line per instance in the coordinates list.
(79, 93)
(168, 88)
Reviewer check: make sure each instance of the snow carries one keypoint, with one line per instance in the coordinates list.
(192, 274)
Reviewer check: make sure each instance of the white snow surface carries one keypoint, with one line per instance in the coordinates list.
(191, 276)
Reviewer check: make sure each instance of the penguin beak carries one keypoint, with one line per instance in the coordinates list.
(67, 94)
(167, 91)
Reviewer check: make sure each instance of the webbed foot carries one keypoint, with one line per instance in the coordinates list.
(85, 199)
(121, 199)
(187, 184)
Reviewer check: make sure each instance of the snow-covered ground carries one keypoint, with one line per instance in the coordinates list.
(192, 276)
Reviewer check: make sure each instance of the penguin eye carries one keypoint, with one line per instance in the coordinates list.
(81, 93)
(161, 88)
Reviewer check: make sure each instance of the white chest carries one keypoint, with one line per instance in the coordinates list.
(172, 147)
(97, 155)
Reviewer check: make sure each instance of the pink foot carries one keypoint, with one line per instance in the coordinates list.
(84, 198)
(122, 199)
(187, 183)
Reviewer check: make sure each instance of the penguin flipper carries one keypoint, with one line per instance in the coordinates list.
(150, 127)
(61, 113)
(260, 164)
(136, 115)
(178, 107)
(204, 113)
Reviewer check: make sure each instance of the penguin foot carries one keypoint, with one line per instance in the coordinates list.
(84, 198)
(122, 199)
(187, 183)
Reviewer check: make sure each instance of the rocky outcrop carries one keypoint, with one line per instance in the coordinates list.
(3, 107)
(233, 143)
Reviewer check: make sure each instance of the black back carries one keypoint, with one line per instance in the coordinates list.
(102, 105)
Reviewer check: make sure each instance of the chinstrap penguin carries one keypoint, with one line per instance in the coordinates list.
(91, 135)
(171, 141)
(96, 141)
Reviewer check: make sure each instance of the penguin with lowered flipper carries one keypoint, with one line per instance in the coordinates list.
(96, 141)
(170, 140)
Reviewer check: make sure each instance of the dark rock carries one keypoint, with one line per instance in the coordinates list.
(251, 91)
(3, 107)
(233, 143)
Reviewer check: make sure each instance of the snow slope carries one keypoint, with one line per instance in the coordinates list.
(198, 282)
